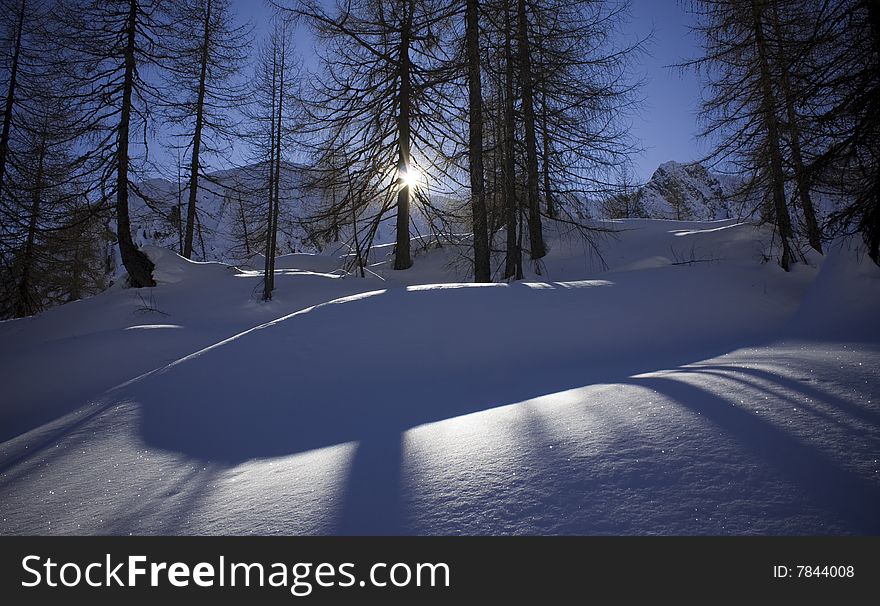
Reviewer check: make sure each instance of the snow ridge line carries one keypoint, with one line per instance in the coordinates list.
(235, 337)
(337, 301)
(41, 437)
(63, 426)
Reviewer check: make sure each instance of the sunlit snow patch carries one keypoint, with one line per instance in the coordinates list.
(690, 232)
(451, 286)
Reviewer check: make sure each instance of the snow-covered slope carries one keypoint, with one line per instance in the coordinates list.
(231, 210)
(683, 387)
(231, 214)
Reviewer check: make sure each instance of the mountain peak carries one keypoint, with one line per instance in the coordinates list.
(684, 192)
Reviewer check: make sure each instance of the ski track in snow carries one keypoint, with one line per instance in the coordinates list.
(716, 398)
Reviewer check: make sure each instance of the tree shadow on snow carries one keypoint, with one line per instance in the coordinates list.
(368, 371)
(823, 482)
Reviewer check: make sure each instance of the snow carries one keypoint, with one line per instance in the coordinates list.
(689, 191)
(226, 200)
(231, 203)
(676, 386)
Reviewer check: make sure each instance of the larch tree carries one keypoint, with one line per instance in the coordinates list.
(15, 18)
(271, 114)
(112, 44)
(17, 25)
(513, 257)
(524, 49)
(44, 211)
(790, 53)
(206, 50)
(561, 92)
(371, 102)
(585, 92)
(742, 111)
(845, 99)
(479, 218)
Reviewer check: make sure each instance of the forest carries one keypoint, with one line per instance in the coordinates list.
(412, 267)
(494, 120)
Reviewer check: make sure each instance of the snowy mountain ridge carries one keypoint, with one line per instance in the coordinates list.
(231, 209)
(232, 206)
(688, 192)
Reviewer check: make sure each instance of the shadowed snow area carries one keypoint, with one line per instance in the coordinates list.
(682, 388)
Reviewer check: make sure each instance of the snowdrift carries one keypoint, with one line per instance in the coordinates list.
(677, 385)
(396, 358)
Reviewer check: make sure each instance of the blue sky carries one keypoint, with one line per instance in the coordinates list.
(666, 125)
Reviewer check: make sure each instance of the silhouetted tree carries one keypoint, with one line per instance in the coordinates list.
(14, 21)
(371, 101)
(206, 50)
(482, 262)
(272, 121)
(111, 44)
(792, 77)
(845, 97)
(742, 110)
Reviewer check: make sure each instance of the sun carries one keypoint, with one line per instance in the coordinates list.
(411, 177)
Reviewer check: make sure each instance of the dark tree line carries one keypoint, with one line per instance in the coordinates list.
(509, 107)
(52, 239)
(87, 83)
(499, 119)
(516, 106)
(794, 102)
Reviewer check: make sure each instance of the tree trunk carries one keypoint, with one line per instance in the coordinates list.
(25, 304)
(354, 228)
(244, 227)
(545, 136)
(137, 264)
(777, 177)
(536, 235)
(77, 270)
(277, 186)
(402, 257)
(482, 267)
(874, 18)
(519, 245)
(499, 212)
(197, 139)
(494, 173)
(513, 259)
(546, 143)
(10, 94)
(270, 214)
(814, 235)
(870, 222)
